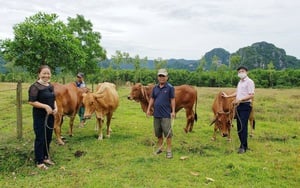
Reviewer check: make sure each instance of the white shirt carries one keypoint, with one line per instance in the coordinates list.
(245, 87)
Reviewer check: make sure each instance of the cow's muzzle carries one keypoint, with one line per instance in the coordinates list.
(224, 134)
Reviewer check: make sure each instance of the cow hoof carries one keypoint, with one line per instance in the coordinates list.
(107, 136)
(213, 139)
(185, 130)
(100, 138)
(60, 142)
(229, 140)
(251, 135)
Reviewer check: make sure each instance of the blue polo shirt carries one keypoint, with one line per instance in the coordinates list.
(162, 100)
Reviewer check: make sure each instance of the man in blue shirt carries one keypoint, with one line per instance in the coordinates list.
(163, 100)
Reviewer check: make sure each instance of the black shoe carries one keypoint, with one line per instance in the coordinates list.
(241, 150)
(159, 151)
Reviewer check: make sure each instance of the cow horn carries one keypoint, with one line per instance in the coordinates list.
(213, 121)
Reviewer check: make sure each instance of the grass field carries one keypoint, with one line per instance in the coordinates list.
(127, 160)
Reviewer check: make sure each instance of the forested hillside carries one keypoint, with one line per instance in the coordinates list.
(260, 55)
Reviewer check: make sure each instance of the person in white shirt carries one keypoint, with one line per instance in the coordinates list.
(243, 100)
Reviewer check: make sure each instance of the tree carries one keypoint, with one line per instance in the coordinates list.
(215, 63)
(90, 43)
(42, 39)
(160, 63)
(116, 59)
(271, 70)
(201, 65)
(234, 61)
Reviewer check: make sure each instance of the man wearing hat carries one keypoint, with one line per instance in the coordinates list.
(243, 100)
(81, 84)
(163, 100)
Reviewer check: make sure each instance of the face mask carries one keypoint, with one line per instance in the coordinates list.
(242, 75)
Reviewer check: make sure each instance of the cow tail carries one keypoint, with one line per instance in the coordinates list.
(195, 115)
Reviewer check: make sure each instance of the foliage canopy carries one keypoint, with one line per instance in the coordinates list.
(43, 39)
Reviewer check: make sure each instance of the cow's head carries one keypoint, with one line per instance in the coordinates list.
(89, 103)
(223, 123)
(136, 92)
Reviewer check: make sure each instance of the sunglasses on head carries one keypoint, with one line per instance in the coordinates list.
(161, 75)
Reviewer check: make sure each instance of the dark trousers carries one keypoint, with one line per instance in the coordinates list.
(43, 137)
(243, 113)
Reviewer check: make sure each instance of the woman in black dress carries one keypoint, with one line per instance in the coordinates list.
(42, 98)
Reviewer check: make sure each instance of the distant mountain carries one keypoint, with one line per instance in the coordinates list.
(260, 54)
(221, 54)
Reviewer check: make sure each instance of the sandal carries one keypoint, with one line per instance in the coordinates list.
(49, 162)
(42, 166)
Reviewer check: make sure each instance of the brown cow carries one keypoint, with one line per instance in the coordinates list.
(68, 99)
(185, 97)
(224, 112)
(103, 102)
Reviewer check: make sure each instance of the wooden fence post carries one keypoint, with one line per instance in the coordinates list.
(19, 110)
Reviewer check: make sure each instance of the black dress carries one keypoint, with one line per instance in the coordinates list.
(43, 130)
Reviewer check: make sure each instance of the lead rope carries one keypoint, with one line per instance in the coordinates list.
(238, 119)
(45, 127)
(169, 132)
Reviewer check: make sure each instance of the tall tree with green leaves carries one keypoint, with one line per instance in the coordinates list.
(42, 39)
(82, 30)
(160, 63)
(271, 70)
(215, 63)
(234, 61)
(117, 60)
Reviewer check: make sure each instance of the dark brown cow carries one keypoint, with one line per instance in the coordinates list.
(68, 99)
(224, 112)
(103, 102)
(185, 97)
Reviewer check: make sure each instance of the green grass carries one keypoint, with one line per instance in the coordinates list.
(126, 159)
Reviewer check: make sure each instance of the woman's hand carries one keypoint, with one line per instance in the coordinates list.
(48, 109)
(54, 111)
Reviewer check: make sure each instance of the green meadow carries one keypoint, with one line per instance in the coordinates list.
(126, 159)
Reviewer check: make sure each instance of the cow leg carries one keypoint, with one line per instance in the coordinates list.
(108, 117)
(189, 120)
(71, 124)
(214, 134)
(99, 123)
(57, 128)
(229, 136)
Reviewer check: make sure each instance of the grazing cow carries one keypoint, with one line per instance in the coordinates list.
(224, 112)
(103, 102)
(68, 99)
(185, 97)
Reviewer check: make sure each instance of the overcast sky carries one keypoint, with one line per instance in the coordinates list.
(172, 28)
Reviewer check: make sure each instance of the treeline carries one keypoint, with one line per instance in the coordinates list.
(222, 78)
